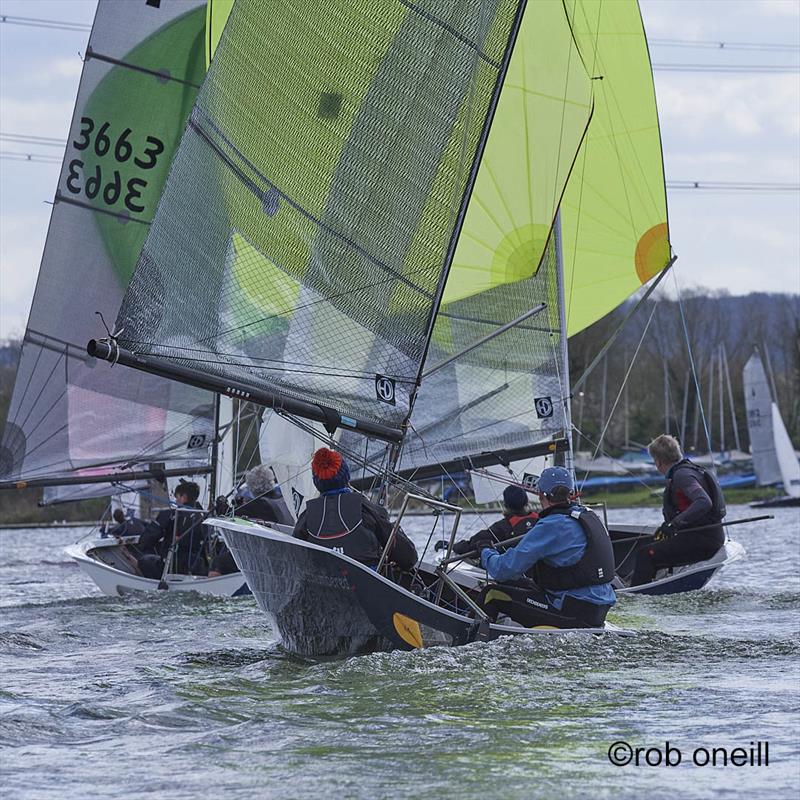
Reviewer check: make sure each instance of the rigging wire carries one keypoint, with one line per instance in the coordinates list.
(694, 372)
(619, 393)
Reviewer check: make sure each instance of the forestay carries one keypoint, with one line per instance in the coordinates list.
(141, 72)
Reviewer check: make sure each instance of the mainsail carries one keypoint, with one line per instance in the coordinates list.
(365, 202)
(143, 66)
(774, 459)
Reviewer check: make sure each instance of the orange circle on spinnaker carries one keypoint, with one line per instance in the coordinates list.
(652, 252)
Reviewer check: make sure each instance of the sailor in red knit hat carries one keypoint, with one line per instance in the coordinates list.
(344, 520)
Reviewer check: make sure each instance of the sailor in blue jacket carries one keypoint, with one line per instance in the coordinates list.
(560, 573)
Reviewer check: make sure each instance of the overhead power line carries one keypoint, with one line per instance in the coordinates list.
(757, 68)
(33, 158)
(52, 24)
(732, 186)
(710, 44)
(24, 138)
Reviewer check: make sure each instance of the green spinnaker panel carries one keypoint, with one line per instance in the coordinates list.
(542, 115)
(142, 70)
(507, 393)
(614, 212)
(314, 197)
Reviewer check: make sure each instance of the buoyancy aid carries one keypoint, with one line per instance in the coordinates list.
(521, 523)
(337, 521)
(673, 505)
(594, 567)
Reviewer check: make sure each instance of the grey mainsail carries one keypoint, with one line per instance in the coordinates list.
(141, 72)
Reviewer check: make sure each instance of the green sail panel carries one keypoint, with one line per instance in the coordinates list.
(614, 212)
(143, 67)
(304, 231)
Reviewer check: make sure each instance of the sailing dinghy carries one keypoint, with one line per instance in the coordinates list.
(70, 425)
(774, 459)
(383, 221)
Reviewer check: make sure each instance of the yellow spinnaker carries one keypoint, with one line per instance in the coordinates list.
(577, 115)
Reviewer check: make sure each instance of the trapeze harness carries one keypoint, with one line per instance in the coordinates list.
(337, 521)
(594, 567)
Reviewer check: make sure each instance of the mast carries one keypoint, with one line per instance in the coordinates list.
(212, 481)
(627, 406)
(711, 404)
(730, 400)
(721, 402)
(684, 409)
(563, 344)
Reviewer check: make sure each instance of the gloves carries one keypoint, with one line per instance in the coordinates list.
(442, 545)
(666, 531)
(481, 540)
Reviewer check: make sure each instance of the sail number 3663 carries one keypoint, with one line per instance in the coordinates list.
(111, 187)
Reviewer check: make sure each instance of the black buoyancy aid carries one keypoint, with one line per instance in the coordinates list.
(337, 521)
(521, 523)
(709, 482)
(594, 567)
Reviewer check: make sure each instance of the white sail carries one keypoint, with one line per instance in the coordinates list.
(288, 450)
(785, 455)
(488, 490)
(758, 401)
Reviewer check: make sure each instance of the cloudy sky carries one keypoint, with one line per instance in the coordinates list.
(717, 126)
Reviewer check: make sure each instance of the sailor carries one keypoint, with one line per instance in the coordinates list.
(188, 556)
(130, 526)
(346, 521)
(692, 498)
(518, 518)
(267, 503)
(560, 573)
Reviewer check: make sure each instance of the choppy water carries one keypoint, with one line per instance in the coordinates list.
(182, 697)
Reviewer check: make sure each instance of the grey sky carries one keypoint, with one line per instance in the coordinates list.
(715, 126)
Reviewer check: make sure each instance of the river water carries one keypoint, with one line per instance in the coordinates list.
(184, 696)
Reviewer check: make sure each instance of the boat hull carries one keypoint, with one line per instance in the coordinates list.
(101, 560)
(322, 603)
(675, 581)
(777, 502)
(689, 578)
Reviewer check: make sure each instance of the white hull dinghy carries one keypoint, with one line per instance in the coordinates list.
(626, 539)
(108, 563)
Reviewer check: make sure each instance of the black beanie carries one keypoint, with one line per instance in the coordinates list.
(515, 498)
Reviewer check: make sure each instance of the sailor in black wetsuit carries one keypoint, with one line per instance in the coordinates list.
(189, 555)
(267, 504)
(692, 498)
(345, 520)
(518, 518)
